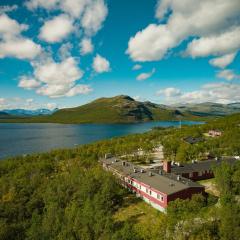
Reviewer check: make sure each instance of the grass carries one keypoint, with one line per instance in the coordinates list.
(210, 186)
(146, 219)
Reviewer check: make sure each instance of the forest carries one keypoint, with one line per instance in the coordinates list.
(65, 194)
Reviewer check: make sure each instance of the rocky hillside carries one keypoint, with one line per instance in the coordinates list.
(117, 109)
(124, 109)
(209, 109)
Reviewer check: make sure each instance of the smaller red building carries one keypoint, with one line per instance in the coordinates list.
(214, 133)
(198, 170)
(156, 188)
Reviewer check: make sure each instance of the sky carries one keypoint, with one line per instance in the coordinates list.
(65, 53)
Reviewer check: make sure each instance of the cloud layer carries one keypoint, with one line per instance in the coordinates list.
(101, 64)
(213, 24)
(144, 76)
(24, 103)
(56, 29)
(213, 92)
(56, 79)
(55, 76)
(13, 43)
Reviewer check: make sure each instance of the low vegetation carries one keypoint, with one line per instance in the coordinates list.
(65, 194)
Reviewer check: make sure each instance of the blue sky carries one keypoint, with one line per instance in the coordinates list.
(62, 53)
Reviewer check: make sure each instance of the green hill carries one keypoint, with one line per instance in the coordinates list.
(209, 109)
(124, 109)
(119, 109)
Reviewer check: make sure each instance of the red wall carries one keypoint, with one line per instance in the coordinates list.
(196, 177)
(186, 193)
(152, 199)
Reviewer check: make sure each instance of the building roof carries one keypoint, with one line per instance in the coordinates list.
(200, 166)
(161, 181)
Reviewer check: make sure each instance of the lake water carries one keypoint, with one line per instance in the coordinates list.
(18, 139)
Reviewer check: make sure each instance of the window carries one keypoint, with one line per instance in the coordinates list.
(146, 190)
(150, 192)
(160, 197)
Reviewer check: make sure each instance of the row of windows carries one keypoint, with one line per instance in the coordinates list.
(148, 191)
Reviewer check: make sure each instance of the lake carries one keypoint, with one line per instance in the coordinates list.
(26, 138)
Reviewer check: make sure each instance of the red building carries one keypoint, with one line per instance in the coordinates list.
(214, 133)
(199, 170)
(156, 188)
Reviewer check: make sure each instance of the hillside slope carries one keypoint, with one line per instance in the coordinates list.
(124, 109)
(119, 109)
(210, 109)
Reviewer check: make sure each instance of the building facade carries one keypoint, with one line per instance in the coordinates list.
(156, 188)
(199, 170)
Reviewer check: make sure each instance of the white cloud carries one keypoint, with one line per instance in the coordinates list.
(10, 28)
(227, 75)
(21, 48)
(56, 29)
(48, 4)
(12, 43)
(55, 79)
(51, 106)
(90, 13)
(144, 76)
(25, 103)
(223, 61)
(151, 44)
(2, 101)
(79, 89)
(28, 83)
(52, 72)
(213, 92)
(86, 46)
(58, 78)
(169, 92)
(137, 67)
(205, 20)
(101, 64)
(220, 44)
(94, 16)
(74, 7)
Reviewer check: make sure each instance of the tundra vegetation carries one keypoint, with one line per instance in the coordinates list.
(65, 194)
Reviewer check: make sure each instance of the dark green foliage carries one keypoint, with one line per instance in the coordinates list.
(65, 194)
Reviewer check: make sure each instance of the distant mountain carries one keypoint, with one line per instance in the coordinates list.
(113, 110)
(3, 114)
(209, 109)
(24, 112)
(124, 109)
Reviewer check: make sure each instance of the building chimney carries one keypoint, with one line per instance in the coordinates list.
(167, 166)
